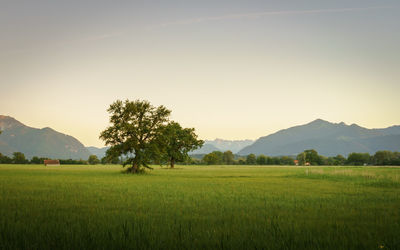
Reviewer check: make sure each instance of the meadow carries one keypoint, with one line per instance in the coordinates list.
(199, 207)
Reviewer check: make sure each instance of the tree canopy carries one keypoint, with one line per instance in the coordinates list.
(93, 160)
(177, 142)
(143, 134)
(309, 156)
(135, 131)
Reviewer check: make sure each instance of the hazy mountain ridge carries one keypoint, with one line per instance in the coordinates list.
(327, 138)
(208, 147)
(45, 142)
(222, 145)
(205, 149)
(232, 145)
(99, 152)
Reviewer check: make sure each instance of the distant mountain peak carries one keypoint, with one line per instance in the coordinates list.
(327, 138)
(46, 142)
(319, 121)
(7, 122)
(48, 129)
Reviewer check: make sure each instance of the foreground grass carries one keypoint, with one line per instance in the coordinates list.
(193, 207)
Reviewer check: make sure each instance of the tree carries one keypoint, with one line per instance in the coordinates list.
(35, 160)
(309, 156)
(262, 160)
(386, 158)
(339, 160)
(110, 160)
(177, 142)
(358, 159)
(301, 158)
(5, 159)
(251, 159)
(228, 158)
(241, 161)
(135, 131)
(213, 158)
(93, 160)
(19, 158)
(286, 160)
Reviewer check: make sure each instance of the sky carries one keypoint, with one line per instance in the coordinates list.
(230, 69)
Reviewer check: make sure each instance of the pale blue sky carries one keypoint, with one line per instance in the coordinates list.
(231, 69)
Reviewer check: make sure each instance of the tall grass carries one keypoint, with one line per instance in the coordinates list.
(198, 207)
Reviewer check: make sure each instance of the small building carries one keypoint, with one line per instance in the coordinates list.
(296, 162)
(51, 162)
(308, 164)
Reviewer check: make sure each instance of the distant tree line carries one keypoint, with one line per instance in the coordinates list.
(19, 158)
(228, 158)
(308, 157)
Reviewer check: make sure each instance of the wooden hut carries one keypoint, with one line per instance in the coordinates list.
(51, 162)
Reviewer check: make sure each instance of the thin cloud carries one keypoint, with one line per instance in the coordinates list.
(103, 36)
(262, 14)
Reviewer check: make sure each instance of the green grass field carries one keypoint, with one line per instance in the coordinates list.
(199, 207)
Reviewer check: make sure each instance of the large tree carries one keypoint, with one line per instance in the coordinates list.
(177, 142)
(135, 130)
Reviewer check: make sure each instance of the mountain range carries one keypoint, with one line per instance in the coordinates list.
(222, 145)
(208, 147)
(45, 142)
(327, 138)
(99, 152)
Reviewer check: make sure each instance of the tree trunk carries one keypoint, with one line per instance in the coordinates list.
(134, 169)
(172, 162)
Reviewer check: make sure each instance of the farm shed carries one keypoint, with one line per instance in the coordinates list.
(51, 162)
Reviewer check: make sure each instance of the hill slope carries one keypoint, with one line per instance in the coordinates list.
(205, 149)
(45, 142)
(232, 145)
(222, 145)
(99, 152)
(327, 138)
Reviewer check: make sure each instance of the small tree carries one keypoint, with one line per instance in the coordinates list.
(177, 142)
(384, 157)
(110, 160)
(339, 160)
(5, 159)
(135, 131)
(311, 156)
(93, 160)
(251, 159)
(228, 158)
(286, 160)
(358, 159)
(261, 160)
(19, 158)
(213, 158)
(35, 160)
